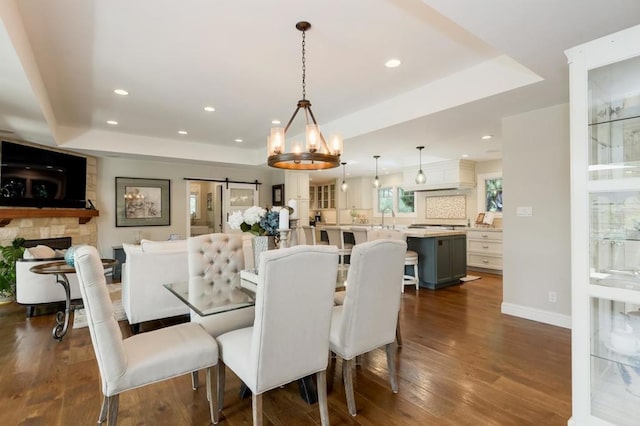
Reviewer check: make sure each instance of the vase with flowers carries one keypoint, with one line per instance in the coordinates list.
(262, 223)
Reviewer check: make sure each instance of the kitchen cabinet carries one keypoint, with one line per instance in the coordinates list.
(296, 185)
(359, 194)
(325, 196)
(484, 249)
(442, 261)
(605, 229)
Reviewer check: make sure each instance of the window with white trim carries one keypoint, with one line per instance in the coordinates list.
(394, 198)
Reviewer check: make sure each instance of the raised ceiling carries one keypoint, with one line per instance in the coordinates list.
(465, 65)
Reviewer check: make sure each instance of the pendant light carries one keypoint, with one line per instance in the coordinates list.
(420, 178)
(376, 181)
(318, 154)
(343, 187)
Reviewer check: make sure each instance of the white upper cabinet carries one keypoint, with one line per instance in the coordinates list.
(296, 185)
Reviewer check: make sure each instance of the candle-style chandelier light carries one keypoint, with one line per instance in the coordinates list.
(318, 154)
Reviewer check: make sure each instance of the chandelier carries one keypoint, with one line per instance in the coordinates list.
(317, 154)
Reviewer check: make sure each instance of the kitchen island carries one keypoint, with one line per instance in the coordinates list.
(442, 254)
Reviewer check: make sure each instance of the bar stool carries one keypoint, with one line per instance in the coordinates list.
(336, 238)
(411, 259)
(310, 236)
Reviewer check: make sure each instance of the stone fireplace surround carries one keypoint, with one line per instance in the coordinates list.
(54, 226)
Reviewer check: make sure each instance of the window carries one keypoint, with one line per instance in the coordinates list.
(194, 212)
(385, 199)
(493, 194)
(395, 199)
(406, 201)
(490, 193)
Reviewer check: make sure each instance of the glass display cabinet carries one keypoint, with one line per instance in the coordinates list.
(605, 229)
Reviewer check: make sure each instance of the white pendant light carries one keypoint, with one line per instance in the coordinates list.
(344, 185)
(376, 181)
(420, 178)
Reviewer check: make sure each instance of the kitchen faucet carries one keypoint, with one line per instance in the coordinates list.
(393, 214)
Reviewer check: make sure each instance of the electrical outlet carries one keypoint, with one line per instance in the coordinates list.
(553, 297)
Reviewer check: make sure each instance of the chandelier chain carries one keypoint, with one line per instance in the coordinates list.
(304, 66)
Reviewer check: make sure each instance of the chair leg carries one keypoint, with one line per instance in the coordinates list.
(398, 332)
(415, 270)
(113, 410)
(321, 377)
(256, 404)
(212, 394)
(103, 410)
(194, 380)
(391, 365)
(221, 378)
(347, 377)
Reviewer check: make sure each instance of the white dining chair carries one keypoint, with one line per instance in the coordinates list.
(214, 262)
(142, 359)
(410, 259)
(336, 238)
(369, 315)
(289, 338)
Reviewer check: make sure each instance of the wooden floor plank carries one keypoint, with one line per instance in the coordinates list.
(463, 363)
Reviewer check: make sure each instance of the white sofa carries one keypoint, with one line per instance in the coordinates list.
(35, 289)
(148, 267)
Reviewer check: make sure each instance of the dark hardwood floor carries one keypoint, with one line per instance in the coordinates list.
(463, 363)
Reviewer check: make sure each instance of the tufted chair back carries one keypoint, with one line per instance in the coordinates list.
(215, 261)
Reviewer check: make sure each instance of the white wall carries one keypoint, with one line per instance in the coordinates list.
(537, 249)
(110, 168)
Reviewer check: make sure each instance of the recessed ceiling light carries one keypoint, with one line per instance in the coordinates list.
(112, 122)
(182, 132)
(209, 109)
(275, 121)
(485, 137)
(237, 140)
(121, 92)
(392, 63)
(465, 155)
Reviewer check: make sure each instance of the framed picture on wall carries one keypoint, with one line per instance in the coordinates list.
(277, 194)
(143, 202)
(209, 201)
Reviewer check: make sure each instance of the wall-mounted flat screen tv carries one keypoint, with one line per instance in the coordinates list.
(36, 177)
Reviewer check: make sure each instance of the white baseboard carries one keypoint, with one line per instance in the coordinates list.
(534, 314)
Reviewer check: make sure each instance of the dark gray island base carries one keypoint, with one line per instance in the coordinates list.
(442, 260)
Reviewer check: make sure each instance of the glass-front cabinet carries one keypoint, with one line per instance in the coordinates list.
(605, 228)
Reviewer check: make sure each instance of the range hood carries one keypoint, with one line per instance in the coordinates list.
(453, 174)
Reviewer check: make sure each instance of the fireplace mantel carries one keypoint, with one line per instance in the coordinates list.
(83, 215)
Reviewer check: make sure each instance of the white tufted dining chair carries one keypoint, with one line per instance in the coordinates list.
(289, 338)
(214, 260)
(141, 359)
(369, 315)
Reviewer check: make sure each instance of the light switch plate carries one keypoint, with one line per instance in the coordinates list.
(524, 211)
